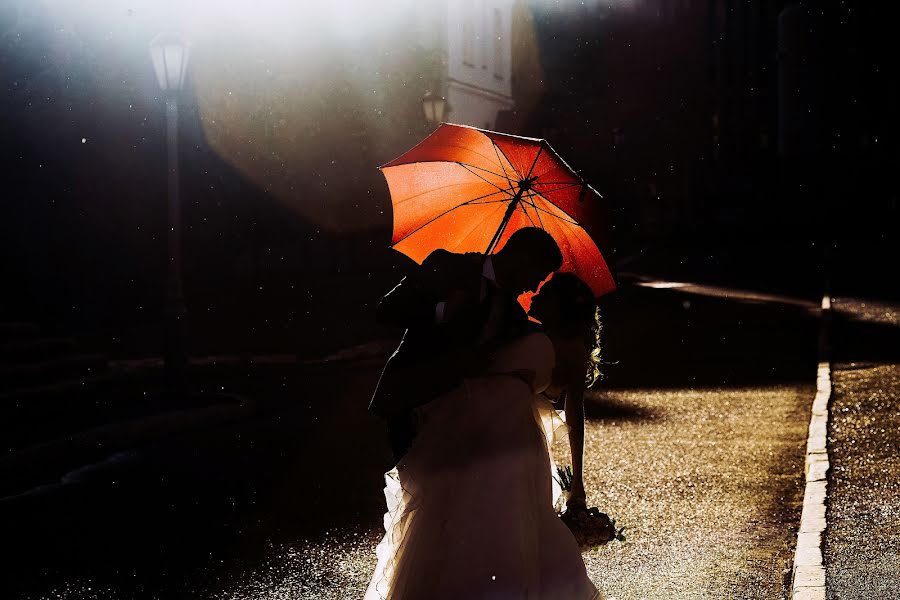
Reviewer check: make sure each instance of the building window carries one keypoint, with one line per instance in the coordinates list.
(499, 55)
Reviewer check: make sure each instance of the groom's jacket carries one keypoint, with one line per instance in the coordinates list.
(425, 364)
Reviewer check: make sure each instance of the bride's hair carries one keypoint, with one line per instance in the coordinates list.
(579, 316)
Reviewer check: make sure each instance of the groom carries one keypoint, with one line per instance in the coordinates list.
(454, 307)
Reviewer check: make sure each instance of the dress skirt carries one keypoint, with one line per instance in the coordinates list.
(472, 507)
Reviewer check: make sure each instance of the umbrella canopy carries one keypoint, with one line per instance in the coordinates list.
(467, 190)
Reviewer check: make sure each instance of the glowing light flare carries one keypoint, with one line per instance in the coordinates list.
(288, 21)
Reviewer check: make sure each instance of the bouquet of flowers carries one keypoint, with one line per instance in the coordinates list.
(590, 527)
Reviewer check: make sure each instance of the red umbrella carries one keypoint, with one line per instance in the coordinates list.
(467, 190)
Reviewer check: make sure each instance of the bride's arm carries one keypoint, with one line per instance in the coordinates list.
(568, 374)
(575, 419)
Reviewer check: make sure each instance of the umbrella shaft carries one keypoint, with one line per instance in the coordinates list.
(506, 217)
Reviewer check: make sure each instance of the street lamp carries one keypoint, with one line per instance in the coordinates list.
(170, 58)
(434, 107)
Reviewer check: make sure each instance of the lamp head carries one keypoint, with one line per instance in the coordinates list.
(170, 59)
(434, 107)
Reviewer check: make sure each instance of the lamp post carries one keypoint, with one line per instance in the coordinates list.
(170, 57)
(434, 106)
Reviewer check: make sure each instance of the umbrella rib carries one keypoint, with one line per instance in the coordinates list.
(563, 211)
(449, 210)
(471, 231)
(565, 185)
(429, 190)
(497, 151)
(536, 212)
(564, 220)
(507, 190)
(524, 210)
(457, 146)
(449, 162)
(569, 220)
(483, 169)
(531, 169)
(469, 149)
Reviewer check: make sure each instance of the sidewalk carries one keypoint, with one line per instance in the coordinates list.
(862, 542)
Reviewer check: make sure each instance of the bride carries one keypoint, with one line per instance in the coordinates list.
(471, 505)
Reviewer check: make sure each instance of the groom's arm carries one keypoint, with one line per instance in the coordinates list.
(426, 296)
(407, 304)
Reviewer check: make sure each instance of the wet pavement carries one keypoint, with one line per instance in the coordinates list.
(709, 483)
(862, 542)
(694, 442)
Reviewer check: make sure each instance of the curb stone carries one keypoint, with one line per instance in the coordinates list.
(808, 582)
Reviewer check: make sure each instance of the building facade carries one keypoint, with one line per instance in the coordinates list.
(479, 61)
(473, 40)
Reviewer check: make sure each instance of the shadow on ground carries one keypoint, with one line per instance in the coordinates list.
(600, 407)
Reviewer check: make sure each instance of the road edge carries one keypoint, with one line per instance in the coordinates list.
(93, 446)
(808, 576)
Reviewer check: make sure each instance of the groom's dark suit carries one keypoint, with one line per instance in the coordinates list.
(431, 358)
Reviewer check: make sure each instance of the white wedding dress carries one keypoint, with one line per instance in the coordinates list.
(471, 506)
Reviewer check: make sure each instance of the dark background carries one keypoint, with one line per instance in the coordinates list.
(727, 137)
